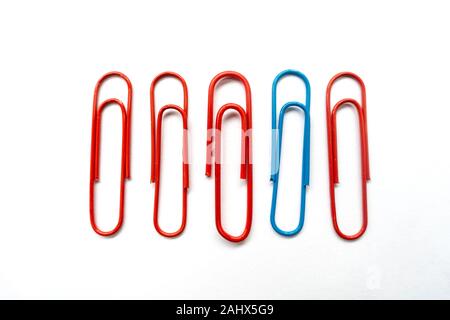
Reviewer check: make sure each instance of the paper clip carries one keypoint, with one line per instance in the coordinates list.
(333, 150)
(277, 138)
(246, 170)
(156, 149)
(95, 148)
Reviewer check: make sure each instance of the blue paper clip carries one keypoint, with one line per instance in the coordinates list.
(277, 134)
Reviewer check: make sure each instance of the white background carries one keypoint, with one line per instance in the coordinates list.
(52, 54)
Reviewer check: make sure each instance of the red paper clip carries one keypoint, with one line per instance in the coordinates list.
(156, 149)
(246, 143)
(95, 148)
(333, 150)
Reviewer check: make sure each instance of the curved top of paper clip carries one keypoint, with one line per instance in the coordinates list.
(351, 75)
